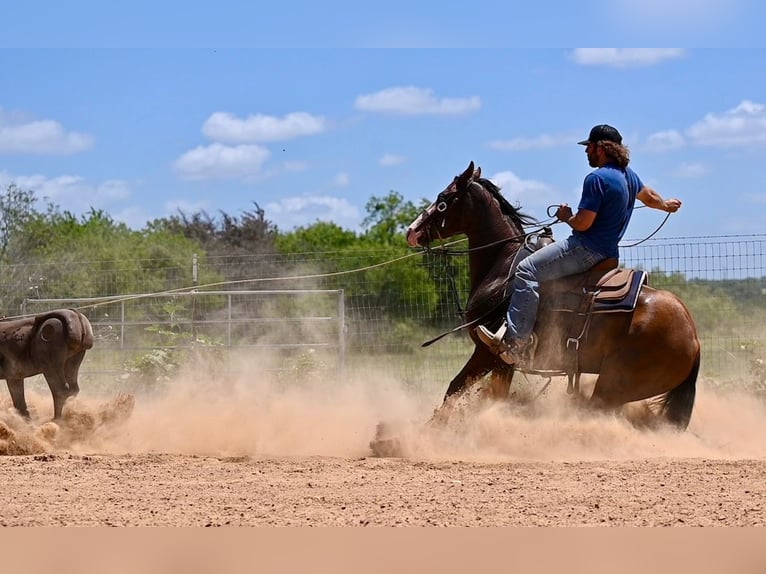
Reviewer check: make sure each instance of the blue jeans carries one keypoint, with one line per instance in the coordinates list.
(555, 260)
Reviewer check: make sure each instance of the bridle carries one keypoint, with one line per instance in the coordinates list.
(442, 205)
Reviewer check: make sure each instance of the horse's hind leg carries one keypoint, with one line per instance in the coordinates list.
(607, 396)
(16, 389)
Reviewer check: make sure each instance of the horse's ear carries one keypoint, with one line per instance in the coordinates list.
(477, 173)
(467, 175)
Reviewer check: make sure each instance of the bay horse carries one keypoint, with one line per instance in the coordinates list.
(52, 343)
(649, 351)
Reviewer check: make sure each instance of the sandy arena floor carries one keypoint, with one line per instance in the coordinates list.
(261, 455)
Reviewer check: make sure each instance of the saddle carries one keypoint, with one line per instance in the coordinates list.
(605, 288)
(575, 299)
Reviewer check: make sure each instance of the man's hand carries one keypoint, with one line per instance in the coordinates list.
(564, 212)
(672, 205)
(652, 199)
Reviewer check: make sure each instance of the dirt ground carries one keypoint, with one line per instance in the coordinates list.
(261, 454)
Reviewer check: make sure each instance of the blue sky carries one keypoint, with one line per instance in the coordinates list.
(217, 112)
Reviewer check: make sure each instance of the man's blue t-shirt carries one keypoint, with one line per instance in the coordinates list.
(611, 193)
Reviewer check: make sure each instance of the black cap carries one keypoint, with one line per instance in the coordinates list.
(603, 132)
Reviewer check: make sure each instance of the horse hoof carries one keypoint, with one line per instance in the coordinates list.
(386, 447)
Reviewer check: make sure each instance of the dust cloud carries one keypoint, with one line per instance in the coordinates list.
(262, 416)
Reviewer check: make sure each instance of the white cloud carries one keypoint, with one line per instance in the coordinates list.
(415, 101)
(71, 192)
(18, 135)
(218, 161)
(227, 128)
(293, 212)
(625, 57)
(666, 140)
(391, 159)
(539, 142)
(739, 126)
(525, 192)
(691, 170)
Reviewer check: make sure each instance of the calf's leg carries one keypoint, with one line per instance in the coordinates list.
(16, 388)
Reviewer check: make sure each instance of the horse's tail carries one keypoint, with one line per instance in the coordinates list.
(678, 403)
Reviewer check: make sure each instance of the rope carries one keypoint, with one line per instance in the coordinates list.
(648, 237)
(196, 288)
(442, 249)
(520, 236)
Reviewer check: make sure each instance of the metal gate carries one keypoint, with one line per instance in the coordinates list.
(284, 322)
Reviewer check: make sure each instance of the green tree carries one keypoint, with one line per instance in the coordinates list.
(227, 235)
(65, 256)
(382, 280)
(235, 246)
(389, 216)
(17, 212)
(320, 237)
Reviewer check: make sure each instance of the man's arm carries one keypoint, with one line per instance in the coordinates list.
(580, 221)
(652, 199)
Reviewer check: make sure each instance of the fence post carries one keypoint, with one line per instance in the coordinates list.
(342, 331)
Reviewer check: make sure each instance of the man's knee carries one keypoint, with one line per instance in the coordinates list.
(526, 271)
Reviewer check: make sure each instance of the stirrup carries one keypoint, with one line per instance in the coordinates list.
(514, 353)
(530, 349)
(492, 340)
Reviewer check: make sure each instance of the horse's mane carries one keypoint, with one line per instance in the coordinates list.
(514, 213)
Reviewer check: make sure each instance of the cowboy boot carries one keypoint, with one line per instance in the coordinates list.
(511, 351)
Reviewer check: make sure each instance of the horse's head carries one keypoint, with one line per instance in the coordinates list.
(445, 217)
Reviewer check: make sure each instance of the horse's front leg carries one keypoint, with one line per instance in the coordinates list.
(499, 387)
(478, 365)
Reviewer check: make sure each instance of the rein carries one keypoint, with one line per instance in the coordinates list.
(459, 327)
(652, 233)
(521, 238)
(524, 238)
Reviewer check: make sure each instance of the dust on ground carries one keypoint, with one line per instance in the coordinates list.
(254, 451)
(254, 416)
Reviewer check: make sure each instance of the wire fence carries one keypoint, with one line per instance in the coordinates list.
(391, 301)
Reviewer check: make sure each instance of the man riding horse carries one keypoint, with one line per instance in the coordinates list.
(608, 195)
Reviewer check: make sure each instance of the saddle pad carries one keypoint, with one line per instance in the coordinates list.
(615, 284)
(622, 293)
